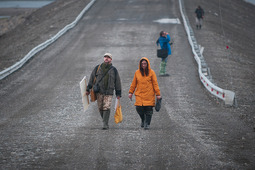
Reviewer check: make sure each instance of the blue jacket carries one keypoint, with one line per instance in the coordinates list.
(164, 43)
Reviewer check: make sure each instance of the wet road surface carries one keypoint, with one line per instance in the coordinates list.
(42, 121)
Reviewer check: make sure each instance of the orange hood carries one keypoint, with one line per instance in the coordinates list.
(149, 65)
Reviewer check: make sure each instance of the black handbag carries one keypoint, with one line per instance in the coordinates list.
(158, 104)
(162, 53)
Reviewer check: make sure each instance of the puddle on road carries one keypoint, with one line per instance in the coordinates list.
(168, 21)
(161, 21)
(250, 1)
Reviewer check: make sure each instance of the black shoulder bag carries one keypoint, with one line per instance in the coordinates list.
(96, 87)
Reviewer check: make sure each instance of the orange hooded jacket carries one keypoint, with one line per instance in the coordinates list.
(145, 87)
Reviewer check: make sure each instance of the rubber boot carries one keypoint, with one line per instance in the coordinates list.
(148, 117)
(142, 116)
(106, 116)
(162, 70)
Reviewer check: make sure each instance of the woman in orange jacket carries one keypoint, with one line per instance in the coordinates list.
(145, 85)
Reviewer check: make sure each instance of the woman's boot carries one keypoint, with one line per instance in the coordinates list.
(142, 119)
(141, 113)
(148, 117)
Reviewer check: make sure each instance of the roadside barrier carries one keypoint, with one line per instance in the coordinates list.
(204, 73)
(42, 46)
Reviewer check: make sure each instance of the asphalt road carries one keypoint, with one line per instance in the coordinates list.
(43, 125)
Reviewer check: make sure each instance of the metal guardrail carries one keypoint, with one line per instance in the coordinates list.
(42, 46)
(204, 73)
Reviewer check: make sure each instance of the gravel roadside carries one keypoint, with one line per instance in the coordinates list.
(227, 23)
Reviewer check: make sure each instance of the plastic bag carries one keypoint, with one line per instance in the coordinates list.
(118, 113)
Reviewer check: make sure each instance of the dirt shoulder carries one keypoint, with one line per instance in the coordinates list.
(29, 28)
(229, 23)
